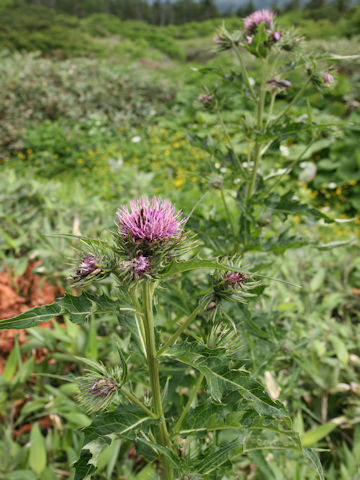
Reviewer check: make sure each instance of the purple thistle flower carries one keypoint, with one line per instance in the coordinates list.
(217, 39)
(87, 266)
(234, 279)
(206, 99)
(328, 78)
(276, 36)
(141, 264)
(150, 220)
(260, 16)
(249, 40)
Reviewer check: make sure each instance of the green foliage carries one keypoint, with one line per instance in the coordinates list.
(300, 344)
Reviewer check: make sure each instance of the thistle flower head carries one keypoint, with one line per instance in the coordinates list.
(328, 78)
(252, 21)
(88, 269)
(234, 279)
(206, 99)
(276, 36)
(233, 285)
(141, 264)
(87, 265)
(97, 391)
(136, 268)
(150, 221)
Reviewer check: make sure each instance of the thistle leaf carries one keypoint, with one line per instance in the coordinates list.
(77, 307)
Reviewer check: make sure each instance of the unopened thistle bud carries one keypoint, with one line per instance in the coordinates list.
(88, 269)
(233, 286)
(234, 279)
(207, 100)
(277, 84)
(97, 391)
(216, 182)
(138, 267)
(225, 41)
(276, 36)
(328, 78)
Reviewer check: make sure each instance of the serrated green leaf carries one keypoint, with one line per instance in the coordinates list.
(124, 419)
(221, 378)
(287, 204)
(32, 317)
(83, 469)
(78, 307)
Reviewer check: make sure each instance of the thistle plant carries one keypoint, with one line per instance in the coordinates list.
(227, 412)
(179, 388)
(255, 125)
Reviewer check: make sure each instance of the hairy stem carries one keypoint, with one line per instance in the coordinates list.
(271, 108)
(245, 73)
(139, 320)
(178, 424)
(133, 399)
(153, 365)
(250, 187)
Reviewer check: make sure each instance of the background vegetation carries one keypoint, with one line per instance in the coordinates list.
(98, 109)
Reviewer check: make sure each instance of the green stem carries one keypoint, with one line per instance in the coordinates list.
(251, 184)
(133, 399)
(245, 73)
(271, 108)
(138, 320)
(233, 228)
(178, 424)
(293, 101)
(260, 114)
(179, 331)
(153, 365)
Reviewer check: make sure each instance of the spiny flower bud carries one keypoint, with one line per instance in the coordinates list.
(225, 41)
(218, 40)
(216, 182)
(97, 391)
(87, 269)
(138, 267)
(234, 279)
(328, 78)
(232, 285)
(276, 36)
(281, 85)
(206, 99)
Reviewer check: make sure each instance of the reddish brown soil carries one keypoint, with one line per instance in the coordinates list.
(18, 294)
